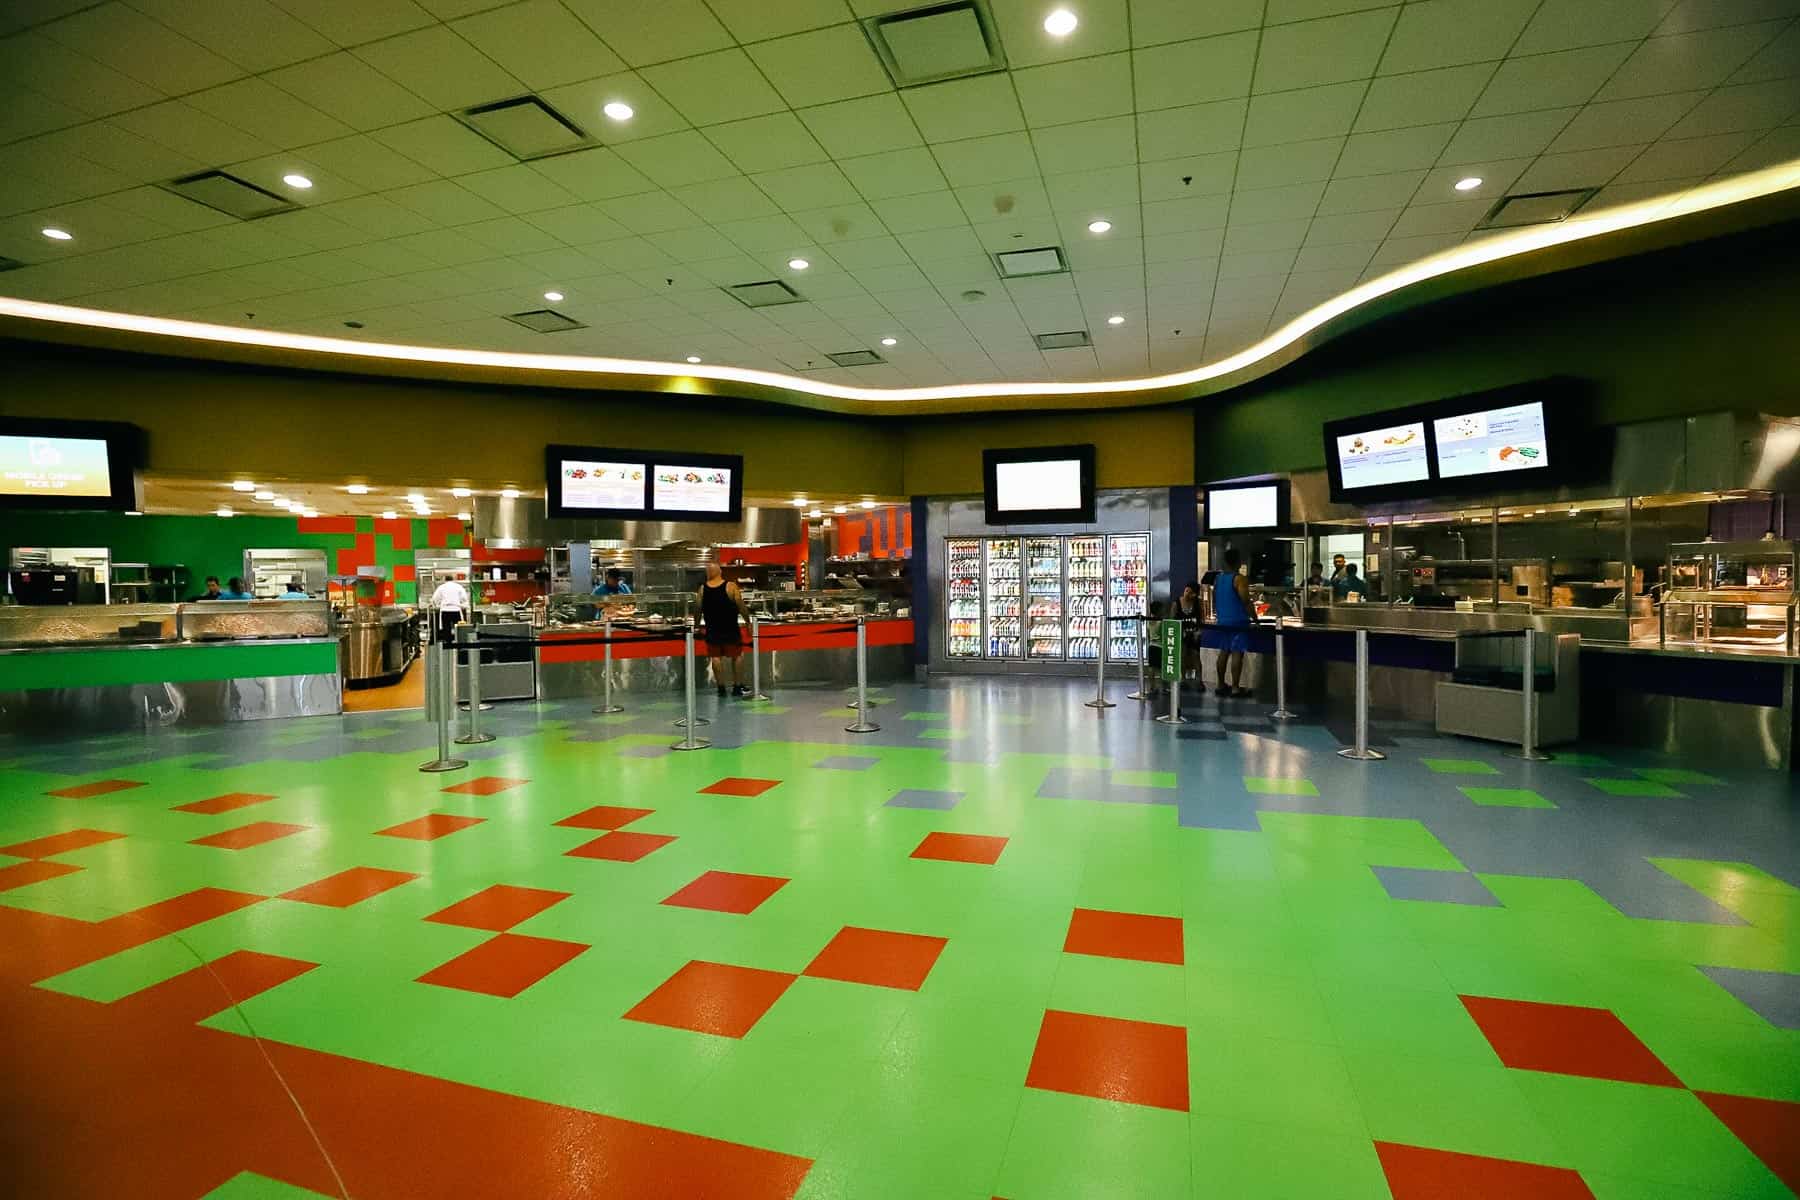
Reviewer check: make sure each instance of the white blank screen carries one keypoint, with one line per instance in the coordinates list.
(1242, 508)
(1037, 486)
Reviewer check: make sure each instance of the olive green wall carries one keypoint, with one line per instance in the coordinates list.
(1698, 329)
(1134, 447)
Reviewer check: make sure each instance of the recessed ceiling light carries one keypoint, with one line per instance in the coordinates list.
(462, 516)
(816, 513)
(132, 512)
(297, 181)
(840, 508)
(553, 297)
(243, 485)
(309, 512)
(1060, 23)
(868, 504)
(222, 512)
(693, 358)
(890, 341)
(1099, 226)
(282, 503)
(1115, 319)
(618, 110)
(358, 489)
(389, 515)
(1469, 184)
(265, 495)
(800, 501)
(461, 493)
(414, 498)
(57, 235)
(509, 493)
(798, 264)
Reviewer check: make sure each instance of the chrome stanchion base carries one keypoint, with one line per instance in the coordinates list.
(473, 739)
(1172, 719)
(1099, 703)
(1361, 755)
(682, 722)
(1282, 714)
(1531, 756)
(863, 727)
(692, 743)
(602, 710)
(464, 705)
(443, 764)
(763, 696)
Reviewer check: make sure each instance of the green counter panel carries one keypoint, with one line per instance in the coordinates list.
(125, 666)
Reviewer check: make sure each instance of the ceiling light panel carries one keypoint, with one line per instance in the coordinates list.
(526, 127)
(1043, 260)
(936, 42)
(230, 195)
(544, 320)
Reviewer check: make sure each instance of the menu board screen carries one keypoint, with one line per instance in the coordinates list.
(691, 489)
(1259, 507)
(613, 486)
(1494, 440)
(54, 466)
(1038, 486)
(1383, 457)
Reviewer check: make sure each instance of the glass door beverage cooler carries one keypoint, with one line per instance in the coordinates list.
(1044, 597)
(1005, 609)
(962, 578)
(1087, 596)
(1128, 591)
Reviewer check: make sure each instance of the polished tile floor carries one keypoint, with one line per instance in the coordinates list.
(1006, 946)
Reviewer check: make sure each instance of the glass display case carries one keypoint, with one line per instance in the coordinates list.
(962, 609)
(1044, 597)
(238, 620)
(1128, 590)
(1736, 595)
(88, 624)
(1086, 596)
(1005, 610)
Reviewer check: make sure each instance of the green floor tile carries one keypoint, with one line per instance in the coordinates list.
(1459, 1105)
(1506, 797)
(1277, 1162)
(1263, 786)
(1459, 766)
(1678, 775)
(247, 1185)
(1633, 787)
(1303, 1085)
(926, 716)
(1148, 779)
(944, 735)
(1066, 1147)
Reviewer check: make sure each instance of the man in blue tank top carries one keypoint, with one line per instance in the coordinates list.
(1231, 612)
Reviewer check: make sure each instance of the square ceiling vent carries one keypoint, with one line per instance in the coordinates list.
(1535, 208)
(763, 294)
(9, 264)
(1074, 339)
(525, 128)
(937, 42)
(230, 195)
(1044, 260)
(856, 358)
(544, 320)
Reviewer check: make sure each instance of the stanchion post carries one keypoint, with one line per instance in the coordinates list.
(468, 648)
(1528, 691)
(862, 724)
(606, 704)
(1361, 750)
(1143, 658)
(690, 722)
(440, 698)
(1172, 669)
(1281, 712)
(1100, 700)
(756, 692)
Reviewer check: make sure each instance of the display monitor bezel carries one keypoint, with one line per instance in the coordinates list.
(687, 458)
(1281, 506)
(557, 452)
(991, 460)
(125, 446)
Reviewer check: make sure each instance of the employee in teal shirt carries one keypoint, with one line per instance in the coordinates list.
(234, 590)
(1348, 583)
(614, 584)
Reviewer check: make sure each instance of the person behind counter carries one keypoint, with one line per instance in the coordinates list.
(451, 599)
(1337, 568)
(1316, 577)
(212, 591)
(721, 607)
(613, 584)
(1231, 611)
(1189, 612)
(1349, 583)
(293, 590)
(234, 590)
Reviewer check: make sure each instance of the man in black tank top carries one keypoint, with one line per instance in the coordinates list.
(721, 612)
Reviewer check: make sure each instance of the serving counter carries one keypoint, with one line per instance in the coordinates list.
(135, 666)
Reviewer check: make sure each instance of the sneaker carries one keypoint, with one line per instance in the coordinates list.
(741, 692)
(721, 691)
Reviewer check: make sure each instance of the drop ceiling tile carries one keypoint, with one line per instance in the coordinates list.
(798, 188)
(32, 60)
(1497, 177)
(510, 235)
(1689, 15)
(268, 174)
(1266, 236)
(1156, 21)
(1104, 29)
(766, 143)
(165, 208)
(1518, 135)
(126, 40)
(693, 245)
(627, 254)
(1251, 266)
(836, 224)
(861, 127)
(367, 163)
(1565, 24)
(962, 108)
(1182, 216)
(1109, 192)
(253, 34)
(1625, 122)
(1458, 216)
(1573, 170)
(353, 22)
(1745, 106)
(986, 159)
(1370, 193)
(374, 215)
(33, 112)
(1016, 204)
(1689, 61)
(1179, 178)
(653, 33)
(1550, 80)
(597, 174)
(1307, 113)
(1296, 162)
(1363, 229)
(1446, 33)
(1194, 72)
(677, 158)
(540, 43)
(926, 210)
(1775, 146)
(1085, 146)
(726, 199)
(955, 274)
(111, 147)
(441, 67)
(648, 212)
(1396, 251)
(758, 20)
(1422, 97)
(898, 277)
(896, 173)
(1193, 129)
(517, 189)
(1092, 253)
(1780, 59)
(1179, 247)
(343, 86)
(444, 145)
(187, 130)
(260, 108)
(1617, 194)
(1286, 203)
(758, 234)
(1328, 50)
(652, 116)
(1680, 158)
(1081, 90)
(868, 253)
(711, 88)
(940, 244)
(822, 66)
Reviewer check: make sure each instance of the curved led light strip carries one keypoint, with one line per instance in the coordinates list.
(1771, 180)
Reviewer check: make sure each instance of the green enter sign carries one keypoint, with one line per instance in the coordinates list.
(1168, 633)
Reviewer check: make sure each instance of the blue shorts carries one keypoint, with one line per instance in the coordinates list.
(1235, 641)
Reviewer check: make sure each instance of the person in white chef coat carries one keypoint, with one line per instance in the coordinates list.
(451, 600)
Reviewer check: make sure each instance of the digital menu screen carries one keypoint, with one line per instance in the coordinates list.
(1257, 507)
(612, 486)
(1383, 457)
(691, 489)
(54, 466)
(1038, 486)
(1491, 441)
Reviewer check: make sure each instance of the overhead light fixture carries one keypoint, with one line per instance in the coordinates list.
(461, 493)
(57, 235)
(816, 513)
(297, 181)
(222, 512)
(358, 489)
(890, 341)
(462, 516)
(1060, 23)
(389, 515)
(265, 495)
(132, 512)
(618, 110)
(868, 504)
(800, 502)
(309, 512)
(798, 264)
(840, 508)
(553, 297)
(1115, 319)
(414, 498)
(1468, 184)
(693, 358)
(1099, 226)
(243, 485)
(282, 502)
(509, 493)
